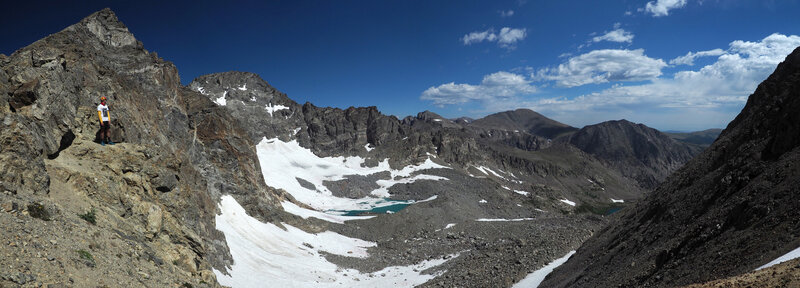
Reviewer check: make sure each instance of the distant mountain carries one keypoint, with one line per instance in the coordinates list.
(637, 151)
(462, 120)
(703, 138)
(729, 211)
(524, 120)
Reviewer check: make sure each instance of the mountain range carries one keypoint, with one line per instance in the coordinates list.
(228, 181)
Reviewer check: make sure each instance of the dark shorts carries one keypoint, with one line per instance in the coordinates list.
(105, 125)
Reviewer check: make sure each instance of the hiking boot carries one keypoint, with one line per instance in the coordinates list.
(110, 142)
(103, 143)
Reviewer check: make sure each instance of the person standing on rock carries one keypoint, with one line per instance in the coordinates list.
(105, 122)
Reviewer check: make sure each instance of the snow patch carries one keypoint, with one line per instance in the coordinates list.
(265, 253)
(502, 220)
(483, 201)
(383, 191)
(486, 171)
(524, 193)
(448, 226)
(366, 146)
(283, 162)
(786, 257)
(296, 130)
(437, 120)
(306, 213)
(201, 90)
(243, 88)
(221, 101)
(570, 203)
(272, 109)
(534, 279)
(616, 201)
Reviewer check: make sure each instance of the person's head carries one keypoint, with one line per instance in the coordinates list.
(102, 99)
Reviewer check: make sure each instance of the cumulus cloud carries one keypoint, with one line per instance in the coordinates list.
(661, 7)
(510, 36)
(724, 83)
(688, 59)
(496, 86)
(507, 37)
(616, 35)
(477, 37)
(508, 13)
(601, 66)
(703, 97)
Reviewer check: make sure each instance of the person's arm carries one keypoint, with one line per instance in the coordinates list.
(100, 115)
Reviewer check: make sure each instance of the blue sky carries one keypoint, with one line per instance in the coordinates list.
(670, 64)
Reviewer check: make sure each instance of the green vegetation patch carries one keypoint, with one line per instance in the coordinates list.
(89, 217)
(86, 256)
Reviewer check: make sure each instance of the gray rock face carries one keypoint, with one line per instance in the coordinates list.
(48, 96)
(637, 151)
(726, 212)
(262, 110)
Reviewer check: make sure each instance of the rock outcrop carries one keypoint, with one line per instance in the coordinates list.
(728, 211)
(158, 189)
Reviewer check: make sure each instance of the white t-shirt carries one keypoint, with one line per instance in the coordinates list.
(103, 112)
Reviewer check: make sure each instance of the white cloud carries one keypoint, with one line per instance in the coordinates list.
(616, 35)
(704, 97)
(510, 36)
(661, 7)
(688, 59)
(718, 89)
(508, 13)
(601, 66)
(506, 38)
(477, 37)
(496, 86)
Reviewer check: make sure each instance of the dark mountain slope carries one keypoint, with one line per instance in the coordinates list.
(637, 151)
(728, 211)
(524, 120)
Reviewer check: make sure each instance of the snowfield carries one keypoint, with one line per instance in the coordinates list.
(786, 257)
(534, 279)
(265, 255)
(222, 101)
(503, 220)
(272, 109)
(570, 203)
(283, 162)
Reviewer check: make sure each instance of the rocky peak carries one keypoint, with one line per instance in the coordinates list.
(108, 29)
(524, 120)
(428, 115)
(261, 109)
(640, 152)
(48, 96)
